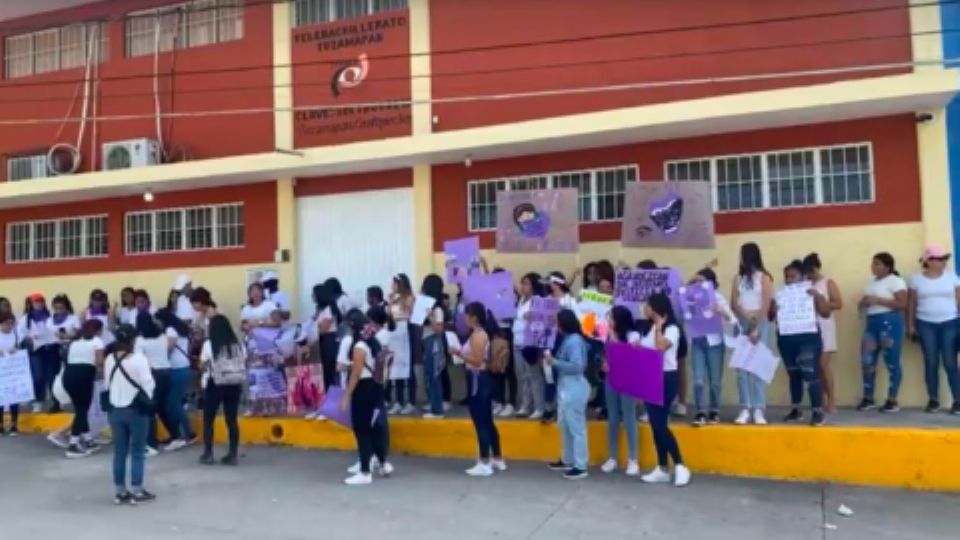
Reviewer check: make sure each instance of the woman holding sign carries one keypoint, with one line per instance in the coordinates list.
(750, 299)
(9, 344)
(621, 407)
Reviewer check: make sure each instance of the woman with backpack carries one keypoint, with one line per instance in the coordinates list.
(573, 390)
(434, 348)
(128, 398)
(84, 356)
(224, 357)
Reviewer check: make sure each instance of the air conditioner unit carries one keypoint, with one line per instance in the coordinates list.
(130, 154)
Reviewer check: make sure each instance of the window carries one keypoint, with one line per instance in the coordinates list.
(190, 24)
(319, 11)
(783, 179)
(601, 193)
(57, 239)
(54, 49)
(27, 167)
(185, 229)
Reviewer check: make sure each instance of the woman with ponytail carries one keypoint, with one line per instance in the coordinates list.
(883, 303)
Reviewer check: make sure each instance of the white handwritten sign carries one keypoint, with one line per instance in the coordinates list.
(755, 358)
(421, 308)
(16, 383)
(796, 313)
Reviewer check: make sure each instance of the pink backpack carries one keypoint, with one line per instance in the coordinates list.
(306, 393)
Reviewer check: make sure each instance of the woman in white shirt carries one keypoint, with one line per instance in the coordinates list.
(932, 320)
(434, 348)
(708, 357)
(328, 318)
(127, 312)
(127, 374)
(65, 324)
(828, 326)
(884, 301)
(750, 301)
(9, 344)
(155, 346)
(178, 336)
(36, 327)
(402, 377)
(621, 408)
(99, 308)
(222, 344)
(664, 336)
(84, 357)
(530, 382)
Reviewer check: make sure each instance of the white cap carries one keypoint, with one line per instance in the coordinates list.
(182, 281)
(269, 275)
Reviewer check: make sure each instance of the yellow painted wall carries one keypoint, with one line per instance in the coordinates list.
(846, 253)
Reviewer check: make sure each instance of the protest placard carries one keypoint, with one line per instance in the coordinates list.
(541, 330)
(494, 291)
(756, 358)
(594, 302)
(673, 215)
(421, 308)
(16, 381)
(634, 286)
(462, 258)
(636, 371)
(796, 313)
(538, 221)
(697, 303)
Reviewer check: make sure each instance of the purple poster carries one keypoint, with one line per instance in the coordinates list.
(697, 303)
(331, 407)
(676, 215)
(494, 291)
(543, 221)
(634, 286)
(636, 371)
(541, 330)
(463, 258)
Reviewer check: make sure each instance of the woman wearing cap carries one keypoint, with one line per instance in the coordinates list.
(932, 320)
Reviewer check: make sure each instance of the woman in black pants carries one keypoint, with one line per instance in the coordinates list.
(221, 345)
(327, 318)
(364, 398)
(84, 357)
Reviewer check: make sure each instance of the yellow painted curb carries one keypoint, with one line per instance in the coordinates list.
(900, 457)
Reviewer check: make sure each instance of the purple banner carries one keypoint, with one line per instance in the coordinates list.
(634, 286)
(636, 371)
(676, 215)
(544, 221)
(541, 330)
(494, 291)
(463, 258)
(331, 407)
(697, 303)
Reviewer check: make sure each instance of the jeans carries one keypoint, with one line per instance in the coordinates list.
(431, 375)
(179, 381)
(129, 429)
(663, 438)
(45, 363)
(573, 392)
(161, 395)
(480, 387)
(620, 408)
(530, 392)
(369, 422)
(78, 382)
(213, 396)
(707, 370)
(801, 356)
(883, 335)
(752, 389)
(938, 343)
(14, 415)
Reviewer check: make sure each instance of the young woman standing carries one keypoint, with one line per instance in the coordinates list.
(570, 364)
(621, 408)
(884, 301)
(9, 344)
(664, 336)
(402, 374)
(828, 326)
(127, 312)
(155, 346)
(434, 348)
(178, 336)
(36, 327)
(932, 319)
(84, 356)
(708, 358)
(328, 319)
(557, 289)
(476, 355)
(128, 376)
(99, 308)
(221, 345)
(750, 301)
(530, 381)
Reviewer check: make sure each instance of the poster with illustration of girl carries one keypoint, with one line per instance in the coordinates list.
(542, 221)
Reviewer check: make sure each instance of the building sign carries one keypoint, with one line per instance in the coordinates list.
(352, 80)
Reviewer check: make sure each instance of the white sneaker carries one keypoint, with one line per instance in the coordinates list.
(175, 445)
(152, 452)
(355, 468)
(758, 417)
(431, 416)
(386, 469)
(679, 409)
(644, 418)
(359, 479)
(310, 416)
(609, 466)
(320, 418)
(521, 413)
(480, 469)
(656, 476)
(425, 408)
(497, 408)
(447, 406)
(507, 411)
(58, 440)
(537, 415)
(633, 469)
(248, 414)
(408, 409)
(37, 408)
(395, 409)
(681, 475)
(743, 418)
(499, 465)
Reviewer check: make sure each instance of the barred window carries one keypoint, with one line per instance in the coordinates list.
(318, 11)
(27, 167)
(57, 239)
(805, 177)
(601, 193)
(54, 49)
(190, 24)
(185, 229)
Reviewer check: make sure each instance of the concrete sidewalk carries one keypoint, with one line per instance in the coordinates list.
(286, 494)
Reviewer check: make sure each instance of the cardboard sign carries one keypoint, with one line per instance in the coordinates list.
(594, 302)
(543, 221)
(634, 286)
(267, 383)
(541, 330)
(697, 302)
(16, 381)
(331, 407)
(462, 258)
(672, 215)
(755, 358)
(421, 308)
(796, 313)
(636, 371)
(494, 291)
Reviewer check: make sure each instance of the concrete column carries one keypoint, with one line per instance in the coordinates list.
(422, 111)
(283, 139)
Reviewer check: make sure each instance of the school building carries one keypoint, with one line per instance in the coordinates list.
(351, 138)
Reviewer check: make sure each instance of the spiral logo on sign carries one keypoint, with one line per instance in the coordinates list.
(350, 75)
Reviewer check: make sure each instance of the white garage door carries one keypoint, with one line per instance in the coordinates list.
(361, 238)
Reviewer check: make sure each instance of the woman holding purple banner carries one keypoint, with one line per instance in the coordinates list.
(750, 300)
(621, 407)
(708, 358)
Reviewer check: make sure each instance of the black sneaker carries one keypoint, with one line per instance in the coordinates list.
(818, 418)
(955, 410)
(548, 416)
(699, 420)
(557, 466)
(123, 498)
(75, 451)
(714, 418)
(794, 416)
(575, 474)
(932, 406)
(891, 406)
(229, 459)
(90, 446)
(206, 459)
(866, 405)
(142, 496)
